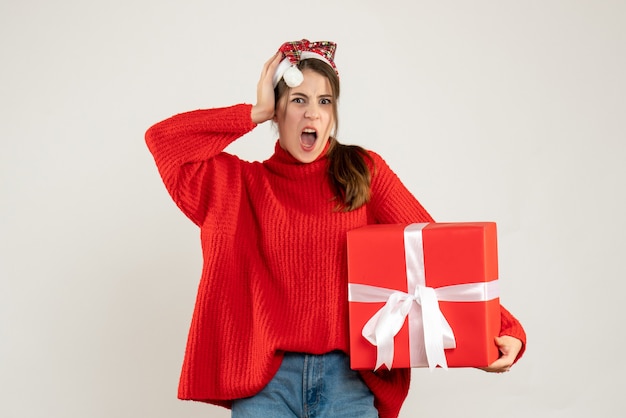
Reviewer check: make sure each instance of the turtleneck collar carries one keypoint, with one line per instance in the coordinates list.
(283, 162)
(284, 156)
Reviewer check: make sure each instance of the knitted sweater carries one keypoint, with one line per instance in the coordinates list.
(274, 277)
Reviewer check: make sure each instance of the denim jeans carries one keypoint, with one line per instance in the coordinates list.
(311, 386)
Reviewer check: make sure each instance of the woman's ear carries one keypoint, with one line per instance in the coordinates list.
(277, 109)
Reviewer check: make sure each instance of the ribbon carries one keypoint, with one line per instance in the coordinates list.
(429, 331)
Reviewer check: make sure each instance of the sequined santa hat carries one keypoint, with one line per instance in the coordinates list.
(296, 51)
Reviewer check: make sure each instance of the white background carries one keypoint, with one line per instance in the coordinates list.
(488, 110)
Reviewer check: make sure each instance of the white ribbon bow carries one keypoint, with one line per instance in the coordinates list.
(429, 331)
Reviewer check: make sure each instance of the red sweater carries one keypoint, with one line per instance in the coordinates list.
(274, 277)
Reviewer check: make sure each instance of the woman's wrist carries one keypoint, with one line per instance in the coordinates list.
(260, 115)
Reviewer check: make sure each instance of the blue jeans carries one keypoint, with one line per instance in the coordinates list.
(308, 386)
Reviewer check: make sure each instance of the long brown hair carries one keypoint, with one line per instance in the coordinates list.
(348, 171)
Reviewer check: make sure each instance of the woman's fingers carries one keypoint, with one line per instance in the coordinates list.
(263, 110)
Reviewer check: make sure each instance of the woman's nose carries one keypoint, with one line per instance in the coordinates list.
(311, 112)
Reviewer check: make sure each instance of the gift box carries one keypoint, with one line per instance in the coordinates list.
(423, 295)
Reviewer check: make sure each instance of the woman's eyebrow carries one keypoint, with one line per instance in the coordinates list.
(323, 95)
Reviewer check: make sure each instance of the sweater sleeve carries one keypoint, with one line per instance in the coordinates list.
(188, 151)
(512, 327)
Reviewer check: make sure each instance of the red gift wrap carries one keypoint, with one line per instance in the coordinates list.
(457, 259)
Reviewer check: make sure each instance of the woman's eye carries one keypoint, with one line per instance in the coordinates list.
(325, 101)
(298, 100)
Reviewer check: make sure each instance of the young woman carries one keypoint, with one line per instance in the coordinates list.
(269, 334)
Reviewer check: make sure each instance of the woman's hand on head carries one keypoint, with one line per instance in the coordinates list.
(509, 349)
(263, 110)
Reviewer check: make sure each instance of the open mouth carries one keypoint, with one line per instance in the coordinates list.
(308, 138)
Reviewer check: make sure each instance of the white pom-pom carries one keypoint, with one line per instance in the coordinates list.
(293, 76)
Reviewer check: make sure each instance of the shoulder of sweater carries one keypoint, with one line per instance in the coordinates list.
(379, 164)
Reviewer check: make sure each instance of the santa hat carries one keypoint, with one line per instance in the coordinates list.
(296, 51)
